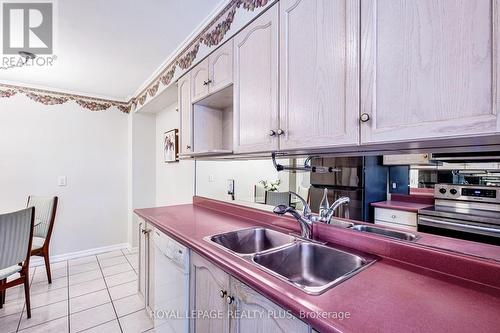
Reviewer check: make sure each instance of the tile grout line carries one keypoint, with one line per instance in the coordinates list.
(69, 310)
(24, 305)
(109, 294)
(126, 258)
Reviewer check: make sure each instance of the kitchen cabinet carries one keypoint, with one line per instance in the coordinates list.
(255, 123)
(248, 301)
(396, 218)
(146, 263)
(199, 80)
(220, 67)
(429, 69)
(319, 73)
(213, 290)
(214, 73)
(186, 114)
(209, 288)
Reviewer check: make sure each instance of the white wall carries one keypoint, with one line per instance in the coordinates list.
(174, 181)
(142, 185)
(39, 143)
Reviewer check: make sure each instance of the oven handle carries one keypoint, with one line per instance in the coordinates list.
(474, 227)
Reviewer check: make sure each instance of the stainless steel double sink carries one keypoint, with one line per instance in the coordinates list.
(309, 266)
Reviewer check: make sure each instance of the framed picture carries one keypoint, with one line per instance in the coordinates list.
(171, 146)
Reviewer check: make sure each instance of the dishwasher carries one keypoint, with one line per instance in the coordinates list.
(171, 285)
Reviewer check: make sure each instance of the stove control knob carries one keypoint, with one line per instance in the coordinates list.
(442, 190)
(453, 191)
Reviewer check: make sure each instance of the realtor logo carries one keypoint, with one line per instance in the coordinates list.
(28, 27)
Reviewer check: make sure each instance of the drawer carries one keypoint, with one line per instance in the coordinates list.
(396, 216)
(395, 225)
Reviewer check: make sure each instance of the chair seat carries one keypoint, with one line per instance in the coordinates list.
(37, 243)
(6, 272)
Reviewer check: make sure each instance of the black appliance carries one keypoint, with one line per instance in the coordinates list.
(362, 179)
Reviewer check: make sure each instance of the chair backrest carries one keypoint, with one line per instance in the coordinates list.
(45, 213)
(16, 233)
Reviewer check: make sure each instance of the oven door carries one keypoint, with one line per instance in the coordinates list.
(460, 225)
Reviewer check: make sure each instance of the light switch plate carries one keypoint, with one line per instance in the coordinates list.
(62, 181)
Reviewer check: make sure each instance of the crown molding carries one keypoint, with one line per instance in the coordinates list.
(184, 44)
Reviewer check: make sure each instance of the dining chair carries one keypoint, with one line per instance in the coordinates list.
(45, 214)
(16, 236)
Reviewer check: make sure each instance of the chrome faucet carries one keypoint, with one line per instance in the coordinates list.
(305, 219)
(326, 215)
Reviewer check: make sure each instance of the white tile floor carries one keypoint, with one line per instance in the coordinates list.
(89, 294)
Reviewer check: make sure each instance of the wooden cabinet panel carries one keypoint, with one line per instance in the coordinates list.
(319, 76)
(248, 301)
(145, 267)
(220, 67)
(256, 84)
(429, 69)
(186, 114)
(207, 280)
(199, 81)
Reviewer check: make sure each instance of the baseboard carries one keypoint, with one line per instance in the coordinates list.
(38, 261)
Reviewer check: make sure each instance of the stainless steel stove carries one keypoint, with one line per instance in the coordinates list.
(463, 211)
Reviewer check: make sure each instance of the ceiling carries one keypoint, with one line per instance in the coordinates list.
(110, 48)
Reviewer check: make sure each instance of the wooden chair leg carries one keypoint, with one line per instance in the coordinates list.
(2, 293)
(27, 294)
(47, 265)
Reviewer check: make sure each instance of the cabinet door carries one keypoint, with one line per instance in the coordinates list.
(207, 281)
(256, 85)
(248, 301)
(429, 69)
(186, 114)
(319, 73)
(144, 260)
(199, 81)
(220, 67)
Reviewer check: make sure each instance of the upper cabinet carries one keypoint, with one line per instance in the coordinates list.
(319, 75)
(186, 114)
(199, 81)
(429, 69)
(255, 123)
(214, 73)
(220, 67)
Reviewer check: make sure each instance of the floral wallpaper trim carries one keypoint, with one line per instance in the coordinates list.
(212, 35)
(47, 97)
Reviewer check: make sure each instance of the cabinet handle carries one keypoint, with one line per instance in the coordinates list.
(229, 299)
(364, 117)
(188, 147)
(393, 216)
(207, 82)
(281, 132)
(222, 293)
(272, 133)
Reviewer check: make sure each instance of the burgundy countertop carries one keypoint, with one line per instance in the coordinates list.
(409, 203)
(400, 205)
(388, 296)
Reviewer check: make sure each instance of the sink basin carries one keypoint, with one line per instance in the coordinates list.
(387, 233)
(341, 224)
(253, 240)
(311, 267)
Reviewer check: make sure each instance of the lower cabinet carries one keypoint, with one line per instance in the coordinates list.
(209, 286)
(146, 263)
(222, 304)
